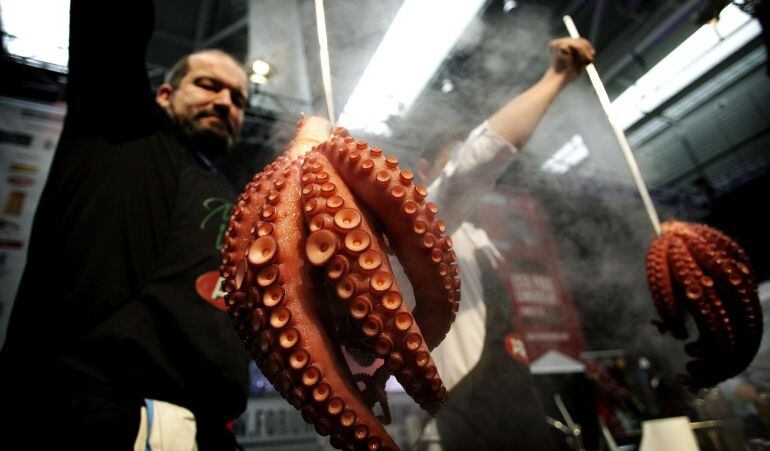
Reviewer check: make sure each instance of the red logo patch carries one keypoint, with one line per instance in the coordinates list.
(209, 287)
(516, 349)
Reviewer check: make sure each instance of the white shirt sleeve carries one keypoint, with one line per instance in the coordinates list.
(470, 174)
(461, 349)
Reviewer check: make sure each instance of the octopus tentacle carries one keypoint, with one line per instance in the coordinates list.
(415, 234)
(659, 279)
(696, 268)
(711, 317)
(306, 271)
(733, 279)
(366, 283)
(272, 303)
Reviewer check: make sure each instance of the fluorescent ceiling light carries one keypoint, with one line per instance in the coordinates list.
(261, 67)
(697, 97)
(418, 40)
(704, 49)
(37, 30)
(571, 153)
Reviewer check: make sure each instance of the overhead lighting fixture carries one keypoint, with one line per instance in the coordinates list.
(258, 79)
(35, 36)
(703, 50)
(418, 40)
(447, 86)
(261, 71)
(261, 67)
(509, 5)
(571, 153)
(697, 97)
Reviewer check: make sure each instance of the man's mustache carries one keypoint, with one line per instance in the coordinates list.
(224, 118)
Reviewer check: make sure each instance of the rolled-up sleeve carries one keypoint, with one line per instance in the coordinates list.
(472, 172)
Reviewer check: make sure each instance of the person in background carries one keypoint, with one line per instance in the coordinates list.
(493, 403)
(107, 315)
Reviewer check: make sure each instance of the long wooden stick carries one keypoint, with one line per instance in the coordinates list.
(323, 45)
(604, 99)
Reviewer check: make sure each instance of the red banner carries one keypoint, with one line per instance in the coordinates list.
(543, 315)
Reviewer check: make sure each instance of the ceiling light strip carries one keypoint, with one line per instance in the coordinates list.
(416, 43)
(696, 55)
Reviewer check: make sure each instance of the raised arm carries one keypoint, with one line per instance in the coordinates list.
(489, 149)
(107, 87)
(517, 120)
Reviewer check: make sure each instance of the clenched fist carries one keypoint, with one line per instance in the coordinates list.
(569, 56)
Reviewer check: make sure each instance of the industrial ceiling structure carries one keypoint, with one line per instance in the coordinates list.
(707, 138)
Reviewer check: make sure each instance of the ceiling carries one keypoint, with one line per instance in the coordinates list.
(706, 141)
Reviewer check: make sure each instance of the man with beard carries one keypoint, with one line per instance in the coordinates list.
(107, 314)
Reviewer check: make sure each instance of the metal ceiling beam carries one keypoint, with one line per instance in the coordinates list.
(572, 7)
(596, 22)
(172, 38)
(731, 60)
(201, 26)
(653, 38)
(628, 10)
(226, 32)
(716, 158)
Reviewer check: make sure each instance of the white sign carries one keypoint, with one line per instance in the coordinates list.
(29, 132)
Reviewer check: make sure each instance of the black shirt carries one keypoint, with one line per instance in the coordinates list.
(130, 217)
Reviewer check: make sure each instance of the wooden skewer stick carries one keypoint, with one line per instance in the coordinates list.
(323, 45)
(604, 99)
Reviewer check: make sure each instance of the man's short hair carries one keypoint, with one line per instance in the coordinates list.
(182, 66)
